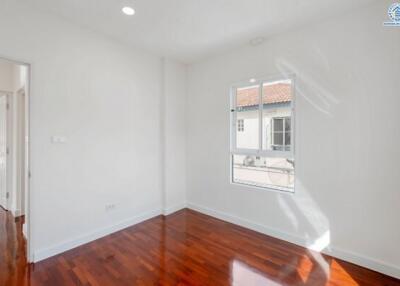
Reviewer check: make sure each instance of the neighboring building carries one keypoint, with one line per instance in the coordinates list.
(276, 117)
(276, 123)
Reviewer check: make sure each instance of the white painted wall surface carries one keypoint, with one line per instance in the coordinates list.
(104, 99)
(19, 126)
(347, 138)
(7, 85)
(6, 76)
(174, 135)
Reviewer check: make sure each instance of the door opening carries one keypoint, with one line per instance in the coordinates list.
(14, 144)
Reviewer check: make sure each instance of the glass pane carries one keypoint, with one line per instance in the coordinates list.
(287, 139)
(287, 124)
(247, 112)
(240, 125)
(277, 97)
(275, 173)
(278, 138)
(278, 124)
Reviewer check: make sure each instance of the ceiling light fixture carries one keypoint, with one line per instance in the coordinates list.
(128, 11)
(252, 80)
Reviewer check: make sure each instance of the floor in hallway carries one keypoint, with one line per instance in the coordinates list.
(13, 266)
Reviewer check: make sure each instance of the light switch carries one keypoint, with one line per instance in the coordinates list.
(55, 139)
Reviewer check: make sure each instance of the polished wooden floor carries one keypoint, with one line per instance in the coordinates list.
(13, 264)
(185, 248)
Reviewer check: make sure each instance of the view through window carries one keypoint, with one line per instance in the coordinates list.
(263, 153)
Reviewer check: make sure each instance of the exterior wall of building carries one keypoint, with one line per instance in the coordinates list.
(248, 138)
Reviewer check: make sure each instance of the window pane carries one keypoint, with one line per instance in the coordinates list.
(276, 173)
(240, 125)
(287, 124)
(277, 97)
(287, 139)
(247, 111)
(278, 124)
(278, 138)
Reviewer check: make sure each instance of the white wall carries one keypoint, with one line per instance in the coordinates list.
(174, 135)
(6, 76)
(6, 85)
(347, 138)
(104, 98)
(18, 150)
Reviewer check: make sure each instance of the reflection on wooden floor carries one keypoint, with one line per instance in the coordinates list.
(185, 248)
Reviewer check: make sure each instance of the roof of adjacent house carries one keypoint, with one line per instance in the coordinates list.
(272, 93)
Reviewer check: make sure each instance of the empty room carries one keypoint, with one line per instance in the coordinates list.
(187, 142)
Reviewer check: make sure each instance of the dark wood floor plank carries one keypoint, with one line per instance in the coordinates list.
(185, 248)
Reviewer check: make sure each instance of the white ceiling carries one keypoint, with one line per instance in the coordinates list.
(190, 30)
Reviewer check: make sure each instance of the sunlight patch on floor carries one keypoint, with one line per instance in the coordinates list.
(244, 275)
(321, 243)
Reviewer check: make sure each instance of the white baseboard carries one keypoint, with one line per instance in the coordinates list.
(345, 255)
(42, 254)
(170, 210)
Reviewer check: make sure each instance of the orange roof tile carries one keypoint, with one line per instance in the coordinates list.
(273, 93)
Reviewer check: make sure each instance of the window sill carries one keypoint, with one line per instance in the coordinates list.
(263, 189)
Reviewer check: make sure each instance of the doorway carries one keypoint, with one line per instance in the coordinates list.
(14, 147)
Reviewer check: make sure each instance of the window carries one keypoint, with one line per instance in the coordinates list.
(263, 155)
(281, 133)
(240, 125)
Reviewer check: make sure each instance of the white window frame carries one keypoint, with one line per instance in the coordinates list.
(240, 126)
(284, 119)
(261, 152)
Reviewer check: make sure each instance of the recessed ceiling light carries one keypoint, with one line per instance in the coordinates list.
(252, 80)
(128, 11)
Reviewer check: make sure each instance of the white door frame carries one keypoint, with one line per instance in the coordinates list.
(7, 94)
(28, 94)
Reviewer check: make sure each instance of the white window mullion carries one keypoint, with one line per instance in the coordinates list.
(292, 116)
(233, 113)
(284, 133)
(253, 152)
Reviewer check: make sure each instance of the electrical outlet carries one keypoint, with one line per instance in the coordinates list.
(110, 207)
